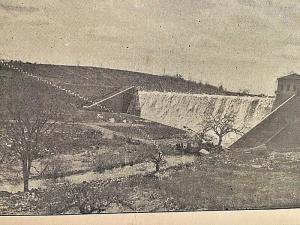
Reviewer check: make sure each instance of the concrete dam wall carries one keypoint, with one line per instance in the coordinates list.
(191, 110)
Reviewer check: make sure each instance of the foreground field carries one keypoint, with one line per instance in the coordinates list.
(254, 179)
(81, 147)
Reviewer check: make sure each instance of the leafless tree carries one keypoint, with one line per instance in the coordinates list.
(28, 116)
(157, 160)
(222, 126)
(199, 136)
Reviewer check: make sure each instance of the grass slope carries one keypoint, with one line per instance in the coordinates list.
(95, 82)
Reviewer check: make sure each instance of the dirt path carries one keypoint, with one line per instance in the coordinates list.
(137, 169)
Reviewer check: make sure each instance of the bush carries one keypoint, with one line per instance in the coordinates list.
(62, 198)
(54, 168)
(129, 155)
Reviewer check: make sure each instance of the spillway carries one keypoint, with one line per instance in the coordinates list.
(191, 110)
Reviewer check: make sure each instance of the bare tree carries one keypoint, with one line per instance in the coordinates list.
(28, 116)
(199, 136)
(222, 126)
(157, 160)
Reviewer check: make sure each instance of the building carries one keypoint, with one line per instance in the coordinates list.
(287, 86)
(280, 129)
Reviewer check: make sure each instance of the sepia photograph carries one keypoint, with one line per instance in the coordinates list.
(139, 106)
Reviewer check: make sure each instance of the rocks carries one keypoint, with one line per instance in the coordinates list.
(257, 166)
(21, 203)
(4, 194)
(100, 116)
(133, 141)
(204, 152)
(108, 135)
(112, 120)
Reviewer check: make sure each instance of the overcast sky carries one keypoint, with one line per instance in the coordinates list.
(242, 44)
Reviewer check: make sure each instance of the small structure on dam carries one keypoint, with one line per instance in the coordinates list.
(122, 100)
(287, 86)
(281, 128)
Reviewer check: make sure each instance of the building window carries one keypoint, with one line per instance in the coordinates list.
(294, 87)
(288, 87)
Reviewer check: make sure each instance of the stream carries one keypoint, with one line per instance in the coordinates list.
(137, 169)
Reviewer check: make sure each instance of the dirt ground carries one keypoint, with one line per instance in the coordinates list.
(107, 167)
(256, 179)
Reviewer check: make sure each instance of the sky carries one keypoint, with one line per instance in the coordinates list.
(241, 44)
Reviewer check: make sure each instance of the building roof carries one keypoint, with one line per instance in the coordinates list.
(293, 76)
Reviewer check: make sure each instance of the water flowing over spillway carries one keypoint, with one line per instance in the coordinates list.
(191, 110)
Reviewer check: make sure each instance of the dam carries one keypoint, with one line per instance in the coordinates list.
(191, 110)
(122, 94)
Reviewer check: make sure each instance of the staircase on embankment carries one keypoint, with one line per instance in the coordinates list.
(39, 79)
(124, 99)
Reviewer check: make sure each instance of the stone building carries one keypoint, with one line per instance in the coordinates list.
(287, 86)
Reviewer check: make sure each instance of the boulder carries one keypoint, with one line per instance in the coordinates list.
(112, 120)
(100, 116)
(108, 135)
(4, 194)
(204, 152)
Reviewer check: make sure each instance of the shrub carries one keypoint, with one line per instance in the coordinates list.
(129, 155)
(54, 168)
(59, 197)
(62, 198)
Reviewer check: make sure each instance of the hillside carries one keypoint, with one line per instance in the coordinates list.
(94, 82)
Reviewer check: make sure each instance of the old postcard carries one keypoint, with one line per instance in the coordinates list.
(149, 106)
